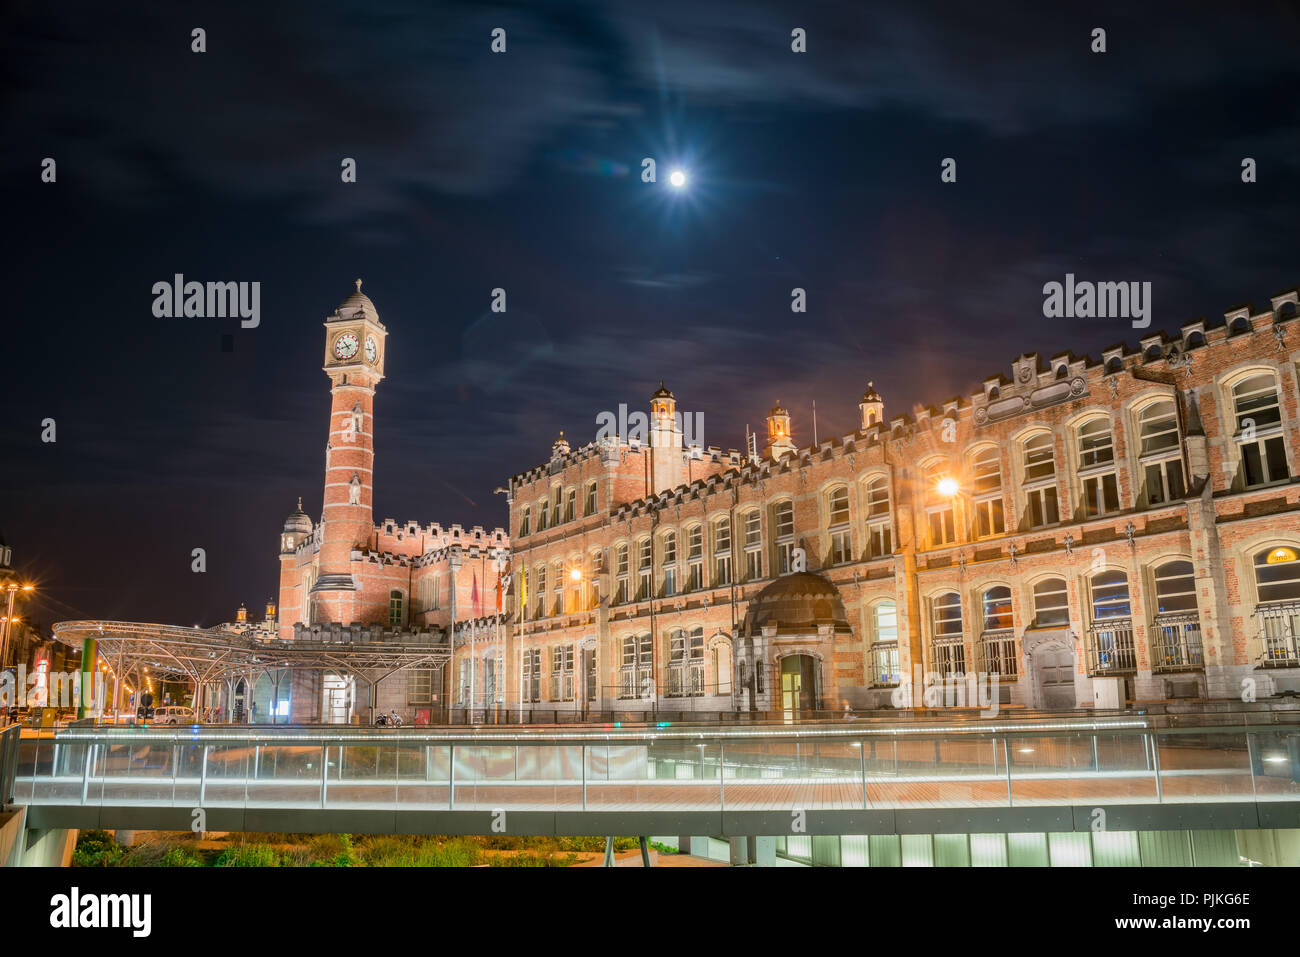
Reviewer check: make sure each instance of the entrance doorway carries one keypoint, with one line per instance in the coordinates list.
(589, 671)
(1054, 676)
(798, 683)
(337, 705)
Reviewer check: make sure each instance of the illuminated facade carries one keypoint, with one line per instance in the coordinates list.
(1089, 532)
(1085, 532)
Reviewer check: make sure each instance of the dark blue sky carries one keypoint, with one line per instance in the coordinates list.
(520, 171)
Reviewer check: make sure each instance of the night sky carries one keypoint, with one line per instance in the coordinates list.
(522, 170)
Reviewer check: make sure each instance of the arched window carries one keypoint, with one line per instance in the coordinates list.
(884, 645)
(998, 641)
(590, 506)
(525, 522)
(1277, 574)
(722, 552)
(634, 678)
(837, 527)
(1277, 583)
(1110, 635)
(571, 505)
(668, 564)
(539, 586)
(557, 588)
(783, 523)
(685, 663)
(880, 538)
(1259, 430)
(997, 607)
(542, 523)
(1176, 637)
(1098, 480)
(694, 558)
(722, 666)
(753, 524)
(1175, 588)
(1110, 595)
(1051, 604)
(986, 491)
(530, 675)
(1039, 455)
(939, 508)
(622, 573)
(644, 574)
(395, 607)
(949, 651)
(1160, 453)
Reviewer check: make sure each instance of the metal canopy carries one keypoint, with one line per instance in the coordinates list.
(215, 654)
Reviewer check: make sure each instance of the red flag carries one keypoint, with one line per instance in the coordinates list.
(473, 598)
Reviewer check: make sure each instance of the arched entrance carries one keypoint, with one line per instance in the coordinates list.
(798, 683)
(1050, 658)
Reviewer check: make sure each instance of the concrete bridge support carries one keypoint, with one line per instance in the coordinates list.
(21, 846)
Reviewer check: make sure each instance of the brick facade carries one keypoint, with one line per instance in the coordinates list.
(1090, 531)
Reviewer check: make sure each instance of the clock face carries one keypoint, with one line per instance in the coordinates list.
(345, 346)
(372, 349)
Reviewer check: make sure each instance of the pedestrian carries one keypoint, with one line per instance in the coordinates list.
(252, 713)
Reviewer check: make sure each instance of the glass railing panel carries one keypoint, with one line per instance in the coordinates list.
(1275, 762)
(284, 774)
(225, 774)
(1116, 768)
(1045, 769)
(361, 775)
(1209, 767)
(138, 769)
(423, 774)
(655, 774)
(793, 773)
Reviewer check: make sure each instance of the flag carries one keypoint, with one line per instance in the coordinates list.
(523, 589)
(474, 599)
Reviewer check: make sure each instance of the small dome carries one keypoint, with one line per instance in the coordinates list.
(662, 392)
(298, 521)
(871, 395)
(358, 304)
(797, 604)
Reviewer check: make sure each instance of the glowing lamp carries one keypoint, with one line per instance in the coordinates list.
(677, 178)
(1279, 555)
(947, 487)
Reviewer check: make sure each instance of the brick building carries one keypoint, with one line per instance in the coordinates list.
(347, 578)
(1088, 532)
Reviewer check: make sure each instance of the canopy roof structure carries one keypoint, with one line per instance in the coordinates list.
(216, 654)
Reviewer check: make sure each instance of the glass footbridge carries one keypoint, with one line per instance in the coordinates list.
(1129, 772)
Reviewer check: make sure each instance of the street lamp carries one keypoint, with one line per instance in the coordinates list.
(947, 487)
(12, 588)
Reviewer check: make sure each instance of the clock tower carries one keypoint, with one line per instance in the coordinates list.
(354, 362)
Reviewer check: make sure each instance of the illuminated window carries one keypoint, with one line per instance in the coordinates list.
(1259, 431)
(1051, 603)
(1160, 453)
(949, 651)
(880, 539)
(884, 644)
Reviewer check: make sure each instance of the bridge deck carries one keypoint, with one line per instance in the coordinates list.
(1009, 777)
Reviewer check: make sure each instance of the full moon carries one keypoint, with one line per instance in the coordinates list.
(677, 178)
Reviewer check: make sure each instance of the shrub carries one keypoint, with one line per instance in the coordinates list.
(533, 859)
(456, 852)
(249, 855)
(97, 849)
(181, 857)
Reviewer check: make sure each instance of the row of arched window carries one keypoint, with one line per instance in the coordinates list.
(561, 507)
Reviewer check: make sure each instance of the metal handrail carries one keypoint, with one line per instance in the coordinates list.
(10, 738)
